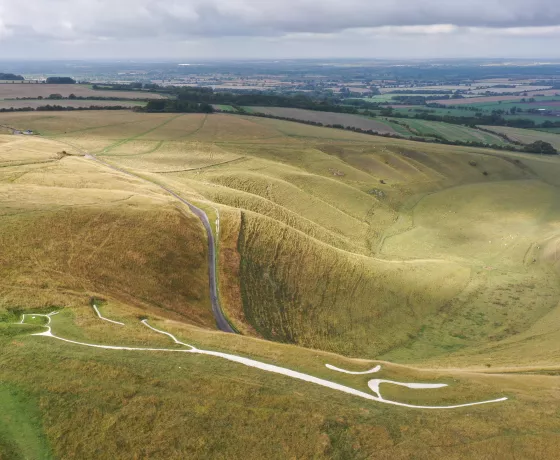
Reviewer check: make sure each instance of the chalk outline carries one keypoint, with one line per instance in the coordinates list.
(373, 384)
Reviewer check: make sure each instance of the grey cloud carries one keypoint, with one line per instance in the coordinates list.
(213, 18)
(279, 28)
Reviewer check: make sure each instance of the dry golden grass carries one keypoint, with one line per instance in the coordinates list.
(18, 150)
(311, 252)
(224, 128)
(347, 303)
(71, 229)
(527, 136)
(174, 156)
(323, 202)
(327, 118)
(180, 127)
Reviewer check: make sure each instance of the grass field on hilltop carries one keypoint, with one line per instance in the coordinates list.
(326, 118)
(443, 259)
(448, 131)
(527, 136)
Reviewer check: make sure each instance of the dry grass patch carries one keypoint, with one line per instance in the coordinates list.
(327, 118)
(527, 136)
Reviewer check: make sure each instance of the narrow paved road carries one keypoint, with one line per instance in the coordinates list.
(221, 321)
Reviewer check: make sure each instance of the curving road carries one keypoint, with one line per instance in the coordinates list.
(221, 321)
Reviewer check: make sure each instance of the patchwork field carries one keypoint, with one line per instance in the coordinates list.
(326, 118)
(448, 131)
(13, 91)
(527, 136)
(488, 99)
(34, 103)
(440, 259)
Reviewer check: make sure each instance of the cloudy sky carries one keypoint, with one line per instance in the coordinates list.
(177, 29)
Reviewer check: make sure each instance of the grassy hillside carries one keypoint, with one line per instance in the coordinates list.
(186, 406)
(448, 131)
(321, 210)
(70, 230)
(527, 136)
(326, 118)
(443, 259)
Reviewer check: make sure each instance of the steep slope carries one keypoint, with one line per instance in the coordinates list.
(346, 242)
(71, 230)
(442, 258)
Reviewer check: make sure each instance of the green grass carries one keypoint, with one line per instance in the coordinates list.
(448, 131)
(21, 431)
(225, 108)
(527, 136)
(485, 109)
(438, 257)
(548, 130)
(142, 404)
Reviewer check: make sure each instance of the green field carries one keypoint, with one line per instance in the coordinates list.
(437, 262)
(325, 118)
(487, 108)
(527, 136)
(448, 131)
(21, 432)
(224, 108)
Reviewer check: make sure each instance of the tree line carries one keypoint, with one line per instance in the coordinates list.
(541, 147)
(11, 77)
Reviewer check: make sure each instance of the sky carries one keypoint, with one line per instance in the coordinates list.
(278, 29)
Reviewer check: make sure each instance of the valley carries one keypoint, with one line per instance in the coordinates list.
(436, 262)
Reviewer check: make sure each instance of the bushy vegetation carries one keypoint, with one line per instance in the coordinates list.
(177, 106)
(60, 81)
(541, 147)
(11, 77)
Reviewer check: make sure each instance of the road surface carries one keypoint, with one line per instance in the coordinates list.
(221, 321)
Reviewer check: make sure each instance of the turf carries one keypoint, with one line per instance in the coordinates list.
(326, 118)
(440, 258)
(527, 136)
(448, 131)
(21, 432)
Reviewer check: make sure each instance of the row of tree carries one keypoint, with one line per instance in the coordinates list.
(60, 81)
(61, 108)
(11, 77)
(175, 106)
(543, 148)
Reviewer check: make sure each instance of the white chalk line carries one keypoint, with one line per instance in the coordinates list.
(145, 323)
(375, 370)
(106, 319)
(373, 384)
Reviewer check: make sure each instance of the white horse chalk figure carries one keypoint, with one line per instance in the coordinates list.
(373, 384)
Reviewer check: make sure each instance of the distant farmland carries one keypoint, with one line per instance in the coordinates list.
(12, 91)
(326, 118)
(485, 100)
(450, 132)
(34, 103)
(527, 136)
